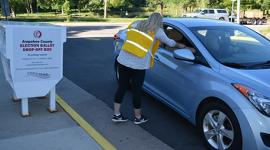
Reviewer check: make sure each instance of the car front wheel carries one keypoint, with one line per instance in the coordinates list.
(221, 18)
(254, 21)
(219, 127)
(259, 22)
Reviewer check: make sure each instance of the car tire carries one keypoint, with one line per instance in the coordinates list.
(221, 18)
(254, 21)
(259, 22)
(218, 124)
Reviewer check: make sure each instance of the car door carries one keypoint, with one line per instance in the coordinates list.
(175, 81)
(203, 14)
(211, 14)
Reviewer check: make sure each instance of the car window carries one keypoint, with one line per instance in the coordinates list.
(237, 45)
(243, 37)
(177, 36)
(205, 11)
(211, 11)
(221, 11)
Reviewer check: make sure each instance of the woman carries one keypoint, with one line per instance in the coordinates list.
(132, 68)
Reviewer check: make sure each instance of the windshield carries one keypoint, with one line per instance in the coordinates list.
(239, 46)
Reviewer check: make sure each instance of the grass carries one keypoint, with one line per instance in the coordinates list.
(265, 31)
(123, 19)
(76, 17)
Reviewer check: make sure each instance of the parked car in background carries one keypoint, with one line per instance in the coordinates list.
(220, 14)
(223, 88)
(255, 17)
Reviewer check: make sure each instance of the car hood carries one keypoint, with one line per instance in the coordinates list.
(258, 79)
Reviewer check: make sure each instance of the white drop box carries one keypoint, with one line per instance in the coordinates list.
(32, 56)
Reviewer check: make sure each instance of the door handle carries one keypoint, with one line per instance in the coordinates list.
(156, 58)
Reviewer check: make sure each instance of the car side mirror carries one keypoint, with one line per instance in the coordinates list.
(184, 54)
(203, 13)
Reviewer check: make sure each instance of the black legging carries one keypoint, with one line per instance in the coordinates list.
(136, 77)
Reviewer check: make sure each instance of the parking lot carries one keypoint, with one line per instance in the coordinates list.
(88, 86)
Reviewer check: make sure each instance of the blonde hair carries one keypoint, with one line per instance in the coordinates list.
(152, 24)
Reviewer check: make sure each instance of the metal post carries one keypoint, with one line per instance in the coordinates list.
(232, 13)
(5, 8)
(238, 11)
(105, 8)
(52, 107)
(24, 105)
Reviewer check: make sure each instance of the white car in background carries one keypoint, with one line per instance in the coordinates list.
(220, 14)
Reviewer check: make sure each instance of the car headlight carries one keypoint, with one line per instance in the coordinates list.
(261, 102)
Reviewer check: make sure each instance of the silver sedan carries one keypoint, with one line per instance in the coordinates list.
(223, 88)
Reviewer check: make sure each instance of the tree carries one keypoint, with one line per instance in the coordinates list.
(117, 3)
(44, 4)
(93, 5)
(16, 6)
(12, 5)
(66, 7)
(189, 4)
(29, 7)
(79, 4)
(137, 3)
(49, 5)
(181, 4)
(57, 5)
(155, 3)
(34, 5)
(266, 4)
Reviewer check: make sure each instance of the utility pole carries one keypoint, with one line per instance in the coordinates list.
(5, 8)
(232, 13)
(105, 8)
(238, 11)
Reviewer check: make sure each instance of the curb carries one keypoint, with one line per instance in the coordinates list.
(104, 143)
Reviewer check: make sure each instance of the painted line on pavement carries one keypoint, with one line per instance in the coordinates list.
(105, 144)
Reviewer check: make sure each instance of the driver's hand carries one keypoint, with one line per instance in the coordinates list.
(179, 45)
(192, 50)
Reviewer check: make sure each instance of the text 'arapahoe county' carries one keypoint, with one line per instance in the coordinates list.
(34, 45)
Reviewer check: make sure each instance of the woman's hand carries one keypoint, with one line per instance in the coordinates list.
(192, 50)
(181, 46)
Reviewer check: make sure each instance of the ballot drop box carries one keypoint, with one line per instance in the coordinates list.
(32, 58)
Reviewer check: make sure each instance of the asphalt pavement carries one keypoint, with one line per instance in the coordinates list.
(88, 87)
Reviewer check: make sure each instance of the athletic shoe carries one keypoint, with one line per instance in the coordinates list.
(143, 119)
(119, 118)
